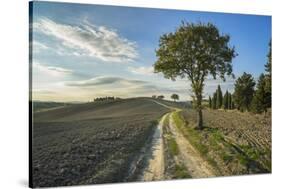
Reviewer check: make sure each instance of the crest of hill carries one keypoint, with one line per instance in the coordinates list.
(105, 109)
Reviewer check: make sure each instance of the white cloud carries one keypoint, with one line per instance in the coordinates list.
(142, 70)
(112, 86)
(38, 46)
(122, 87)
(90, 40)
(42, 91)
(105, 80)
(51, 70)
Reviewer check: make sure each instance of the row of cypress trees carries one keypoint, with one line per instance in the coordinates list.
(221, 101)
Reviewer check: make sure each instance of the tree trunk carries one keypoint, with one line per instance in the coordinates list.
(200, 119)
(199, 110)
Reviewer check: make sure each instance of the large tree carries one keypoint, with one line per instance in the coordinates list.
(244, 91)
(195, 51)
(175, 97)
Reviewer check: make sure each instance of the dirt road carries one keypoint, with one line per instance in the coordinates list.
(188, 156)
(154, 158)
(196, 166)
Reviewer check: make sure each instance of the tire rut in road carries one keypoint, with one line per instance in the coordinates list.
(154, 157)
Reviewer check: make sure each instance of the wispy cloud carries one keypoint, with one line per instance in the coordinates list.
(43, 91)
(51, 70)
(90, 40)
(142, 70)
(122, 87)
(38, 46)
(103, 80)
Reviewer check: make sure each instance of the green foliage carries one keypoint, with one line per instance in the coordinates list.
(259, 104)
(229, 103)
(173, 146)
(225, 101)
(210, 102)
(219, 97)
(233, 105)
(194, 51)
(107, 98)
(244, 91)
(268, 77)
(161, 97)
(193, 135)
(196, 137)
(181, 172)
(268, 68)
(214, 100)
(260, 99)
(175, 97)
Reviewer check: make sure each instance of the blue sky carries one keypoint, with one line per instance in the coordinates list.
(84, 51)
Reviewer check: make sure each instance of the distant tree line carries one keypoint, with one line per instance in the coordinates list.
(158, 97)
(106, 98)
(247, 96)
(175, 97)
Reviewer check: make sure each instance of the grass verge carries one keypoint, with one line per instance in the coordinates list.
(173, 168)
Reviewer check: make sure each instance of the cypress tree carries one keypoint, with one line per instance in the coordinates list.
(219, 97)
(210, 102)
(229, 103)
(214, 104)
(232, 104)
(244, 91)
(259, 103)
(225, 101)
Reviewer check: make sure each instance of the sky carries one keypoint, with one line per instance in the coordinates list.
(80, 51)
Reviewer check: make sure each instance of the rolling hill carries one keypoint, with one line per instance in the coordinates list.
(92, 142)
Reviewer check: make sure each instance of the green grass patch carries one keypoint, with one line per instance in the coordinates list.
(255, 154)
(195, 137)
(180, 172)
(252, 153)
(166, 121)
(191, 134)
(171, 142)
(227, 157)
(173, 146)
